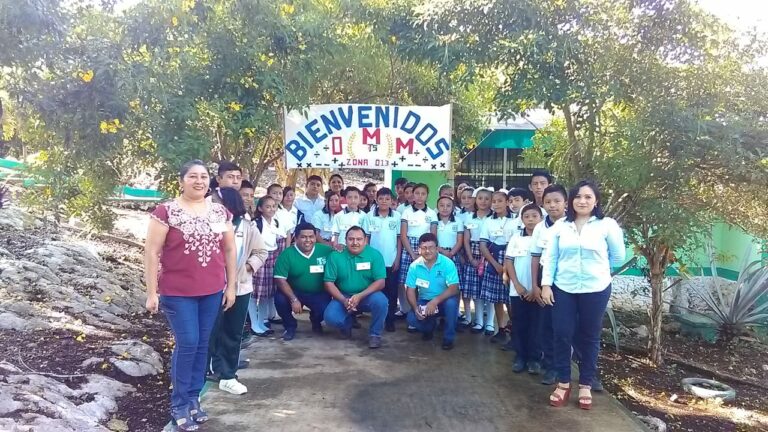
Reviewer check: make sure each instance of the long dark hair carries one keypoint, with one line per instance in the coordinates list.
(570, 212)
(452, 217)
(257, 213)
(233, 202)
(328, 194)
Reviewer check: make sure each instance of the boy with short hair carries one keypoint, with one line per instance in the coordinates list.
(347, 218)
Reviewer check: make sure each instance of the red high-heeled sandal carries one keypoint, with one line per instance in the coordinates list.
(585, 402)
(558, 400)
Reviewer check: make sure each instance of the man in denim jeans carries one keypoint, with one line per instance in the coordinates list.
(436, 279)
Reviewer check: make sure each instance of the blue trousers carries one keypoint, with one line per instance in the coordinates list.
(191, 320)
(525, 329)
(449, 309)
(586, 311)
(546, 336)
(336, 313)
(316, 303)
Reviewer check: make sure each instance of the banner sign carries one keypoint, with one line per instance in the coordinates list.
(409, 138)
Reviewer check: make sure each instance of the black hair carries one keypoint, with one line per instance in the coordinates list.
(479, 191)
(246, 185)
(556, 188)
(336, 175)
(410, 185)
(531, 206)
(305, 226)
(274, 185)
(541, 173)
(443, 187)
(355, 228)
(570, 212)
(233, 202)
(349, 189)
(452, 216)
(288, 189)
(367, 207)
(315, 178)
(369, 184)
(402, 181)
(257, 213)
(508, 211)
(328, 195)
(427, 237)
(422, 186)
(519, 192)
(384, 191)
(225, 166)
(188, 165)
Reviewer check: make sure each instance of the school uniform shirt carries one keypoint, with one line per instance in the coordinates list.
(309, 207)
(287, 218)
(431, 282)
(352, 274)
(401, 207)
(474, 225)
(419, 221)
(345, 220)
(518, 251)
(270, 232)
(383, 233)
(448, 233)
(304, 273)
(323, 222)
(498, 230)
(581, 263)
(541, 237)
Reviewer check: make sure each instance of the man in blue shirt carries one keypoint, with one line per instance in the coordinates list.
(433, 289)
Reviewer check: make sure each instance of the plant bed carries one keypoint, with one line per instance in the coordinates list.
(654, 391)
(697, 326)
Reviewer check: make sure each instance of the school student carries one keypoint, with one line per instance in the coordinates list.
(323, 220)
(347, 218)
(399, 190)
(285, 218)
(576, 281)
(539, 181)
(415, 220)
(312, 201)
(450, 230)
(407, 197)
(516, 199)
(336, 184)
(494, 237)
(288, 212)
(524, 308)
(275, 239)
(383, 227)
(473, 269)
(445, 190)
(554, 199)
(467, 207)
(369, 190)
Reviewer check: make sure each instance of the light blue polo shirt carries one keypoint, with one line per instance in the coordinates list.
(343, 221)
(383, 233)
(432, 282)
(418, 221)
(448, 233)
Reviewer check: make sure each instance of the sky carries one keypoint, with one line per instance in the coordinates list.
(740, 14)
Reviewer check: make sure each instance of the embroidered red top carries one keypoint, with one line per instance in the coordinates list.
(192, 261)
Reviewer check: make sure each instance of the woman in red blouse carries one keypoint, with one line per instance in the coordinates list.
(190, 268)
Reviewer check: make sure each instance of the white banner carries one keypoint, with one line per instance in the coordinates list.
(415, 138)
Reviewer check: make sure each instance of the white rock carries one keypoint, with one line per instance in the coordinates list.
(137, 350)
(133, 368)
(653, 423)
(641, 331)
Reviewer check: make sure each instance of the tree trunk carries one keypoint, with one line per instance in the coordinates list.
(657, 263)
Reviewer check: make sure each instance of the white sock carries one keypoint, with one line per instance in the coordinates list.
(257, 313)
(272, 313)
(479, 312)
(491, 320)
(468, 311)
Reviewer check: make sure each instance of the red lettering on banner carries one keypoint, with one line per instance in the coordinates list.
(400, 145)
(336, 146)
(357, 162)
(376, 135)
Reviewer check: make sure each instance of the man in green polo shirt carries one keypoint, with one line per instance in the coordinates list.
(354, 278)
(299, 274)
(434, 277)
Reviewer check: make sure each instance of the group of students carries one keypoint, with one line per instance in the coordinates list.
(544, 254)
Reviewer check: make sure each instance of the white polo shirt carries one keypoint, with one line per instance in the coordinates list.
(343, 221)
(419, 221)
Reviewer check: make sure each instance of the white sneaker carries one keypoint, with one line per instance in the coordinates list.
(232, 386)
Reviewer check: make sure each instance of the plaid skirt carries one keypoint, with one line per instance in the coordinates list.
(470, 280)
(264, 279)
(406, 260)
(492, 288)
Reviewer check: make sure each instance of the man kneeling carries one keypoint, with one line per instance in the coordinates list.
(299, 274)
(433, 289)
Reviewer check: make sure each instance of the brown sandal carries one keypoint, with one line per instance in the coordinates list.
(585, 401)
(556, 400)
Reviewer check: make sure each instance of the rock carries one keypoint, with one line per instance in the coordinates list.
(133, 368)
(765, 368)
(641, 331)
(91, 361)
(5, 253)
(117, 425)
(653, 423)
(136, 350)
(671, 327)
(9, 321)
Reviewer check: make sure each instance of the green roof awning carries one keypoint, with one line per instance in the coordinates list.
(507, 138)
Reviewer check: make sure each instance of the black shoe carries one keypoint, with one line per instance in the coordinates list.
(447, 345)
(412, 329)
(518, 366)
(597, 385)
(264, 334)
(499, 337)
(317, 329)
(289, 334)
(243, 364)
(427, 336)
(534, 368)
(212, 377)
(275, 321)
(389, 326)
(549, 378)
(475, 330)
(267, 324)
(509, 346)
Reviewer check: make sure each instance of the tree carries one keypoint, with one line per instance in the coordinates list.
(657, 100)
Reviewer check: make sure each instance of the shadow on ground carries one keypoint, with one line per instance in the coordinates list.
(323, 383)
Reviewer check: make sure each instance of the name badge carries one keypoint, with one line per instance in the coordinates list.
(374, 228)
(328, 228)
(543, 242)
(497, 233)
(239, 234)
(363, 266)
(415, 222)
(316, 269)
(471, 226)
(421, 283)
(521, 247)
(218, 227)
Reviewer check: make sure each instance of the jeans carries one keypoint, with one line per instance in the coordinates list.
(336, 313)
(448, 309)
(525, 329)
(586, 311)
(317, 303)
(224, 347)
(191, 320)
(390, 290)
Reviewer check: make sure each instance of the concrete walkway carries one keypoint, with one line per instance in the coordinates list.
(323, 383)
